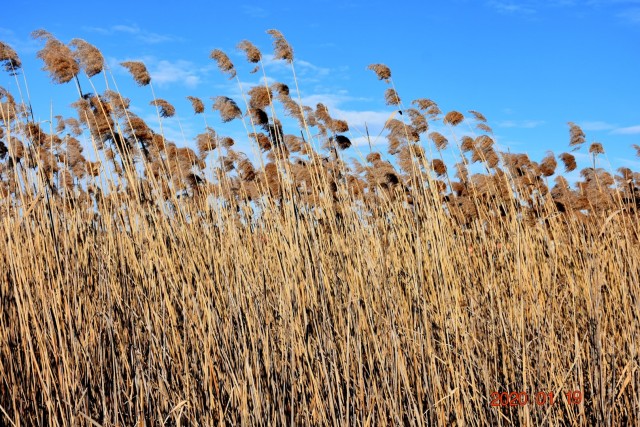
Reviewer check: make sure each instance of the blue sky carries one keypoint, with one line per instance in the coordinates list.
(530, 66)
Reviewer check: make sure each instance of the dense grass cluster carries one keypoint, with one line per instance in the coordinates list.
(158, 284)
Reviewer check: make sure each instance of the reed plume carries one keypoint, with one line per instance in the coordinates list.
(418, 120)
(439, 167)
(282, 49)
(439, 140)
(281, 89)
(341, 141)
(260, 97)
(196, 104)
(9, 59)
(227, 108)
(224, 63)
(548, 165)
(596, 148)
(391, 97)
(453, 118)
(382, 71)
(58, 59)
(569, 161)
(484, 127)
(478, 116)
(166, 109)
(576, 135)
(252, 53)
(88, 56)
(138, 71)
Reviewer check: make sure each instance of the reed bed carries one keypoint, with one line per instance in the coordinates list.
(164, 285)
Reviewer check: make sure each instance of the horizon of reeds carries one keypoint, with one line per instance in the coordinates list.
(298, 287)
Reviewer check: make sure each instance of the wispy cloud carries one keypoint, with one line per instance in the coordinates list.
(254, 11)
(165, 73)
(596, 126)
(135, 31)
(305, 70)
(355, 118)
(19, 44)
(630, 130)
(631, 15)
(525, 124)
(613, 2)
(627, 10)
(330, 100)
(503, 6)
(628, 162)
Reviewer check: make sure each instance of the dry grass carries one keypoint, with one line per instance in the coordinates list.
(301, 288)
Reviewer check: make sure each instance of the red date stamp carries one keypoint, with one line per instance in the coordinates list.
(542, 398)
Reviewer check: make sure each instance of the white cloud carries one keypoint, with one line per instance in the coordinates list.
(135, 31)
(125, 29)
(174, 129)
(19, 44)
(628, 162)
(363, 141)
(373, 119)
(631, 15)
(511, 7)
(631, 130)
(254, 11)
(525, 124)
(165, 73)
(628, 9)
(596, 126)
(305, 70)
(312, 68)
(330, 100)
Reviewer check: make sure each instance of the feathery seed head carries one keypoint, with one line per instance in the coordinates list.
(418, 120)
(548, 165)
(206, 142)
(251, 51)
(58, 59)
(224, 63)
(197, 104)
(281, 89)
(228, 108)
(258, 116)
(138, 71)
(227, 142)
(423, 103)
(382, 71)
(484, 128)
(454, 118)
(88, 56)
(596, 148)
(341, 141)
(438, 167)
(576, 134)
(439, 140)
(339, 126)
(166, 109)
(282, 49)
(391, 97)
(569, 161)
(478, 116)
(260, 97)
(9, 59)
